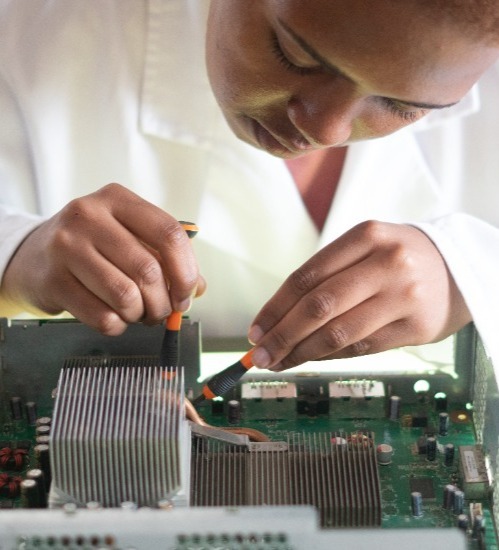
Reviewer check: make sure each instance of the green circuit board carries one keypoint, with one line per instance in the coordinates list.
(409, 468)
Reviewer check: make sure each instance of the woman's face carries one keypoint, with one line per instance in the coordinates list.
(293, 75)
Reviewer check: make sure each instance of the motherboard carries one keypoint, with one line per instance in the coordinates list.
(100, 447)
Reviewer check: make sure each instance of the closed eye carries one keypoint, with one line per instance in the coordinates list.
(285, 61)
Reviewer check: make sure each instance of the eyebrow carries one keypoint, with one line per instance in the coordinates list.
(330, 68)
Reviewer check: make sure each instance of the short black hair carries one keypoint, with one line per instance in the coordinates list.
(479, 19)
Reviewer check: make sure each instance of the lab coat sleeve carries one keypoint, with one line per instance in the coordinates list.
(18, 192)
(470, 248)
(14, 228)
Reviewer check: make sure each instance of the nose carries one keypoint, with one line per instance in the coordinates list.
(324, 114)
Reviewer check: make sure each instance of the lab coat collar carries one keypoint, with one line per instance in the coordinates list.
(387, 179)
(177, 101)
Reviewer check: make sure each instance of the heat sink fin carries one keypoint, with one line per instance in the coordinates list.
(119, 433)
(336, 473)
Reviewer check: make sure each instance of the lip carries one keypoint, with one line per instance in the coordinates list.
(275, 144)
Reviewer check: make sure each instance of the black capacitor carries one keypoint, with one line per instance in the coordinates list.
(421, 444)
(39, 477)
(440, 402)
(31, 412)
(234, 411)
(217, 406)
(29, 493)
(443, 423)
(458, 502)
(417, 504)
(463, 522)
(16, 408)
(394, 407)
(449, 454)
(43, 462)
(478, 526)
(431, 448)
(449, 492)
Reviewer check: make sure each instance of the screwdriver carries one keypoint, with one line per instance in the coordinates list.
(169, 353)
(222, 382)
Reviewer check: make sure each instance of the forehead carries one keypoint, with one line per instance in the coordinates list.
(389, 45)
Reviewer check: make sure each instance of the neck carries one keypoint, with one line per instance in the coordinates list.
(317, 175)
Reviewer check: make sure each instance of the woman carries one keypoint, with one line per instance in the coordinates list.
(108, 91)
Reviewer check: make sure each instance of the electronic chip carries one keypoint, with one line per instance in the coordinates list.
(423, 485)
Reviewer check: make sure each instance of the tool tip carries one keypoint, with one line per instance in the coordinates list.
(199, 399)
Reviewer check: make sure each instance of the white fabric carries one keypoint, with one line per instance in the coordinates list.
(97, 91)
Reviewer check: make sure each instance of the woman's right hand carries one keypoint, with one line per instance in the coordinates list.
(109, 258)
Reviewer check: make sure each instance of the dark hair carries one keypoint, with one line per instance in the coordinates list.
(479, 19)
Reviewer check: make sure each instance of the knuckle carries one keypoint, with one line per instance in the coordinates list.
(372, 231)
(400, 258)
(414, 292)
(110, 324)
(336, 337)
(303, 280)
(362, 347)
(111, 190)
(281, 341)
(189, 282)
(319, 305)
(149, 272)
(62, 239)
(75, 211)
(172, 234)
(126, 294)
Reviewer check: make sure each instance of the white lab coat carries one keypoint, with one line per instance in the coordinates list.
(97, 91)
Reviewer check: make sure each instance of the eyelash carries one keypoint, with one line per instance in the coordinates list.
(283, 60)
(408, 116)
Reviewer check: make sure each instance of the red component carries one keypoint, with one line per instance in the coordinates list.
(10, 486)
(15, 486)
(12, 459)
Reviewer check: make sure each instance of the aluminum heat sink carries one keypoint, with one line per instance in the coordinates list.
(335, 472)
(119, 434)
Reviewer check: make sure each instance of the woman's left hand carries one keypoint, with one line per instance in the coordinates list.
(378, 286)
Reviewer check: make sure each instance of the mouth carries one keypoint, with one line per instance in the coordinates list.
(277, 145)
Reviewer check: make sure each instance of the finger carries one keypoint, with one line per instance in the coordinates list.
(165, 234)
(131, 300)
(88, 308)
(393, 335)
(347, 250)
(131, 283)
(200, 287)
(138, 287)
(351, 331)
(339, 294)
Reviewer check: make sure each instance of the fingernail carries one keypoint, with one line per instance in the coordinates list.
(185, 305)
(261, 358)
(255, 333)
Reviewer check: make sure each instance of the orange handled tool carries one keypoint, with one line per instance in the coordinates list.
(169, 354)
(222, 382)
